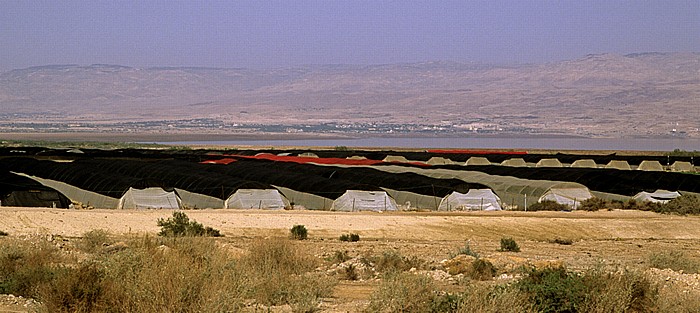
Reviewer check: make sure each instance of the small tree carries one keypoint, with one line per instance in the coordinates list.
(180, 225)
(298, 232)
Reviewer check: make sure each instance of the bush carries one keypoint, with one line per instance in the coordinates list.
(392, 261)
(341, 256)
(481, 270)
(618, 291)
(2, 233)
(76, 290)
(298, 232)
(180, 225)
(683, 205)
(349, 237)
(675, 260)
(509, 245)
(488, 298)
(548, 205)
(94, 240)
(403, 292)
(596, 290)
(561, 241)
(350, 273)
(553, 289)
(275, 272)
(25, 265)
(467, 250)
(593, 204)
(165, 274)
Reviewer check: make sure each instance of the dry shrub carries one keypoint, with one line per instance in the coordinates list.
(481, 269)
(186, 274)
(674, 299)
(27, 264)
(493, 299)
(276, 272)
(612, 291)
(675, 260)
(403, 292)
(393, 261)
(94, 240)
(561, 241)
(163, 274)
(76, 290)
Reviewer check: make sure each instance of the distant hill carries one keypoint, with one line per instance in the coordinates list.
(647, 94)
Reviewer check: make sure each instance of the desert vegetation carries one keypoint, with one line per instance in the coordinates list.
(566, 268)
(156, 274)
(298, 232)
(180, 225)
(686, 204)
(101, 272)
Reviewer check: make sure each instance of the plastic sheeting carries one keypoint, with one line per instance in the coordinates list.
(149, 198)
(474, 200)
(584, 163)
(652, 166)
(659, 196)
(567, 196)
(262, 199)
(359, 200)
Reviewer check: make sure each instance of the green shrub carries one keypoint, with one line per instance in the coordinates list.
(509, 245)
(349, 237)
(683, 205)
(548, 205)
(553, 289)
(180, 225)
(675, 260)
(593, 204)
(298, 232)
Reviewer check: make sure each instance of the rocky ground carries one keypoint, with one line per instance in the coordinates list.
(579, 240)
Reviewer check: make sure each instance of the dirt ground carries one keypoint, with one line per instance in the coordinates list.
(623, 238)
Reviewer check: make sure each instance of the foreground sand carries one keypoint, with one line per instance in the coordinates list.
(612, 235)
(618, 238)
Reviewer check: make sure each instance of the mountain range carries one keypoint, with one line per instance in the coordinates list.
(606, 95)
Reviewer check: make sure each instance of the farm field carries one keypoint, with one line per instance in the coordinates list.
(614, 238)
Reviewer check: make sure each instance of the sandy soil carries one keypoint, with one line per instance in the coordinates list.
(612, 237)
(616, 235)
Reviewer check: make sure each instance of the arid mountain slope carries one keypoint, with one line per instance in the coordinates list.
(649, 94)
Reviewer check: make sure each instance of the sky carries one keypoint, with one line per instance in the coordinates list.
(272, 34)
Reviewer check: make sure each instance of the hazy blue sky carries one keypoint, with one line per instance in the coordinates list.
(286, 33)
